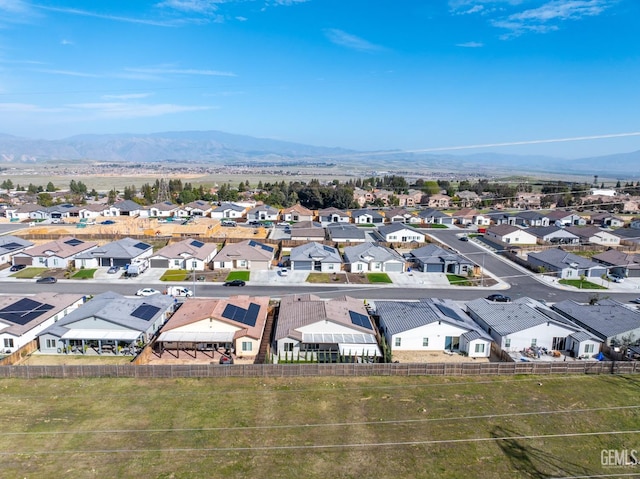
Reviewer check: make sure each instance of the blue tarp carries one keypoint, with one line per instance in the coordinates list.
(599, 357)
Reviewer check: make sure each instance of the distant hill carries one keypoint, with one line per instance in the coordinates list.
(218, 147)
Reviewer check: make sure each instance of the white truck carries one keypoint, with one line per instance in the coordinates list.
(179, 291)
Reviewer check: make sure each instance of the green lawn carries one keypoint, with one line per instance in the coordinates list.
(577, 283)
(318, 427)
(176, 275)
(243, 275)
(456, 280)
(379, 278)
(29, 273)
(84, 274)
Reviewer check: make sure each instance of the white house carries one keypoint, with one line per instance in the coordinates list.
(399, 233)
(371, 257)
(55, 254)
(510, 234)
(189, 254)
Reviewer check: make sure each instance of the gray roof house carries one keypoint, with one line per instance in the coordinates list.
(526, 324)
(565, 218)
(55, 254)
(307, 231)
(594, 235)
(345, 233)
(116, 253)
(310, 328)
(249, 254)
(431, 216)
(315, 257)
(553, 235)
(371, 257)
(609, 320)
(228, 211)
(620, 263)
(399, 233)
(566, 265)
(189, 254)
(263, 213)
(164, 209)
(434, 259)
(366, 216)
(123, 208)
(22, 317)
(401, 215)
(194, 209)
(333, 215)
(430, 325)
(106, 324)
(10, 245)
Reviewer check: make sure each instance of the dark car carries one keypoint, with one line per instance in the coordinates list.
(499, 298)
(17, 267)
(464, 238)
(113, 270)
(108, 222)
(47, 280)
(235, 282)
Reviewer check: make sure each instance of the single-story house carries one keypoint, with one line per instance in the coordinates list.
(401, 215)
(90, 211)
(117, 253)
(235, 324)
(431, 324)
(565, 218)
(434, 259)
(528, 218)
(635, 223)
(164, 209)
(620, 263)
(553, 235)
(566, 265)
(366, 216)
(263, 213)
(297, 213)
(108, 323)
(22, 318)
(399, 233)
(249, 254)
(594, 235)
(22, 212)
(528, 324)
(510, 234)
(606, 220)
(55, 254)
(315, 257)
(333, 215)
(189, 254)
(228, 211)
(345, 233)
(11, 245)
(307, 231)
(371, 257)
(465, 216)
(312, 329)
(195, 208)
(431, 217)
(123, 208)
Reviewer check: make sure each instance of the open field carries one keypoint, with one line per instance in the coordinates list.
(355, 427)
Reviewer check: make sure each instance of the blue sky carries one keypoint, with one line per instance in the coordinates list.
(367, 75)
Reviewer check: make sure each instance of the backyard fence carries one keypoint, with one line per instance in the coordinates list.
(310, 370)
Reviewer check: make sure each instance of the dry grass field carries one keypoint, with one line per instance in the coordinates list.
(384, 427)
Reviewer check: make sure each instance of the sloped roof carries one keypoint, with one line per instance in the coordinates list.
(367, 252)
(125, 248)
(65, 247)
(395, 227)
(542, 231)
(433, 254)
(561, 259)
(345, 231)
(317, 252)
(9, 244)
(188, 248)
(606, 319)
(249, 250)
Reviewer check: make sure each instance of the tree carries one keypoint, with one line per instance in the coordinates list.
(45, 199)
(113, 194)
(7, 185)
(50, 187)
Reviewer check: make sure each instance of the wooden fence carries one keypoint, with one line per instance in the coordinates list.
(310, 370)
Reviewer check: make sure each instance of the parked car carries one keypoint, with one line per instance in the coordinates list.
(282, 223)
(234, 282)
(464, 238)
(284, 272)
(17, 267)
(113, 270)
(147, 292)
(47, 280)
(637, 300)
(615, 278)
(499, 298)
(228, 223)
(108, 222)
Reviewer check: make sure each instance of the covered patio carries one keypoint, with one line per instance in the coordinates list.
(193, 342)
(92, 341)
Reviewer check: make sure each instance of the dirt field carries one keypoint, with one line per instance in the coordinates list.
(434, 357)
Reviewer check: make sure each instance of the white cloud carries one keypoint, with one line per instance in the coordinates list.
(66, 72)
(348, 40)
(26, 108)
(115, 18)
(66, 42)
(180, 71)
(203, 7)
(471, 45)
(134, 110)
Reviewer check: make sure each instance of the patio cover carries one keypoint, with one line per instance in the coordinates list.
(102, 334)
(358, 349)
(196, 337)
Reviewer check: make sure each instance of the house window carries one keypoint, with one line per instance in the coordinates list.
(425, 342)
(194, 264)
(176, 262)
(359, 268)
(480, 348)
(589, 348)
(288, 347)
(8, 342)
(398, 341)
(51, 343)
(507, 342)
(247, 345)
(330, 266)
(534, 341)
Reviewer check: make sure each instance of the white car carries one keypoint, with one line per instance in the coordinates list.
(283, 223)
(615, 278)
(147, 292)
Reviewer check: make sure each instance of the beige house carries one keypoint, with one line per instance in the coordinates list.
(296, 213)
(55, 254)
(249, 254)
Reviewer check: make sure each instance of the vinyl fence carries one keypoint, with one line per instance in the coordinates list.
(308, 370)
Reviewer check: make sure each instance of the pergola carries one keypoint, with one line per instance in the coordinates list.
(106, 339)
(194, 340)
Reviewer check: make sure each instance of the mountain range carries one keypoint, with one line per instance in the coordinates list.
(222, 148)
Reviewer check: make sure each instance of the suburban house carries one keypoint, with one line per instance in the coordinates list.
(333, 215)
(565, 265)
(438, 200)
(164, 209)
(228, 211)
(528, 218)
(123, 208)
(22, 318)
(336, 330)
(430, 324)
(565, 218)
(365, 216)
(250, 255)
(189, 254)
(307, 231)
(296, 213)
(481, 220)
(315, 257)
(90, 211)
(465, 216)
(61, 211)
(117, 253)
(399, 233)
(108, 323)
(55, 254)
(627, 235)
(263, 213)
(11, 245)
(194, 209)
(466, 198)
(609, 320)
(620, 263)
(411, 199)
(345, 233)
(231, 325)
(434, 259)
(594, 235)
(400, 215)
(510, 234)
(553, 235)
(526, 324)
(362, 197)
(22, 212)
(606, 220)
(434, 217)
(370, 257)
(635, 223)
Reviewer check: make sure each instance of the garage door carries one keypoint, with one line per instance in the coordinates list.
(116, 262)
(393, 267)
(301, 266)
(434, 268)
(23, 260)
(159, 263)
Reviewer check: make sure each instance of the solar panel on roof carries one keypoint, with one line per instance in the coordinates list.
(145, 311)
(252, 314)
(24, 311)
(73, 242)
(328, 249)
(360, 320)
(141, 245)
(241, 315)
(447, 311)
(229, 311)
(11, 246)
(197, 244)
